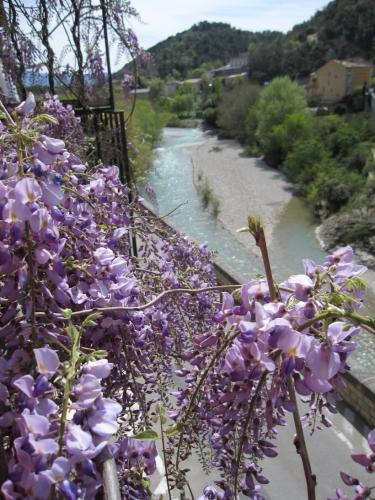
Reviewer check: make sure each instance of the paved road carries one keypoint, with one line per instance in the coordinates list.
(329, 449)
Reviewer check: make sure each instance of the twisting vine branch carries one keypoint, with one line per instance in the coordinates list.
(257, 231)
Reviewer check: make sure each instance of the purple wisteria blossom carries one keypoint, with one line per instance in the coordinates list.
(366, 460)
(26, 107)
(47, 361)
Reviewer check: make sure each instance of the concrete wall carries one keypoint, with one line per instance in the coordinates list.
(360, 398)
(361, 75)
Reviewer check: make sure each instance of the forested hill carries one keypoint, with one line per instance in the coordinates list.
(210, 43)
(204, 45)
(344, 29)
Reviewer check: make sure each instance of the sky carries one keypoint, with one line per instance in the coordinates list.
(163, 18)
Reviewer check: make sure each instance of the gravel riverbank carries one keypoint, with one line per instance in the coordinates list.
(245, 186)
(242, 185)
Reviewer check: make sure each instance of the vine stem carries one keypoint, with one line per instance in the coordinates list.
(198, 387)
(300, 444)
(192, 291)
(164, 452)
(250, 412)
(135, 383)
(6, 112)
(256, 229)
(75, 335)
(366, 323)
(30, 273)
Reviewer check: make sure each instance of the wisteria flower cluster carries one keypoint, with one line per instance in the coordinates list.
(102, 351)
(366, 460)
(69, 376)
(262, 352)
(67, 127)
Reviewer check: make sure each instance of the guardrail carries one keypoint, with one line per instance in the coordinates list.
(107, 128)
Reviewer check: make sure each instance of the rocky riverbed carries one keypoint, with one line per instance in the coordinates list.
(356, 228)
(243, 186)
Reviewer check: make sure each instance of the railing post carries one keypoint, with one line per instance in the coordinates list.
(107, 465)
(105, 33)
(125, 174)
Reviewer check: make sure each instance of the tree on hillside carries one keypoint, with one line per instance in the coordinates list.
(280, 99)
(265, 59)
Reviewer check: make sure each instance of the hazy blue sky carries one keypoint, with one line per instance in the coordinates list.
(162, 18)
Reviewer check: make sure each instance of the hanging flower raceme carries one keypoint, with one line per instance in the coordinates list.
(366, 460)
(70, 380)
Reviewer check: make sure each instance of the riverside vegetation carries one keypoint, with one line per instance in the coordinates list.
(330, 159)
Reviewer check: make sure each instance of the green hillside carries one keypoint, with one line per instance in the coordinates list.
(210, 44)
(344, 29)
(207, 43)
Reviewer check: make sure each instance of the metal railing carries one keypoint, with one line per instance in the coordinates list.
(106, 128)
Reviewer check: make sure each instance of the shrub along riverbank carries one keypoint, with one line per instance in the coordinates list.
(144, 127)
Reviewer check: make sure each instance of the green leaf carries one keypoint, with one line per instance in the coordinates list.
(90, 320)
(356, 283)
(72, 332)
(175, 429)
(89, 323)
(44, 118)
(147, 435)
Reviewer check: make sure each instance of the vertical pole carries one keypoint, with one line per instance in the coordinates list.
(105, 32)
(125, 173)
(97, 137)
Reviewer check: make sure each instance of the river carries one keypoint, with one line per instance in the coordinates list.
(293, 235)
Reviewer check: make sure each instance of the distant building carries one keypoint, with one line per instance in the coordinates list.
(141, 94)
(170, 88)
(194, 82)
(236, 66)
(335, 79)
(8, 91)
